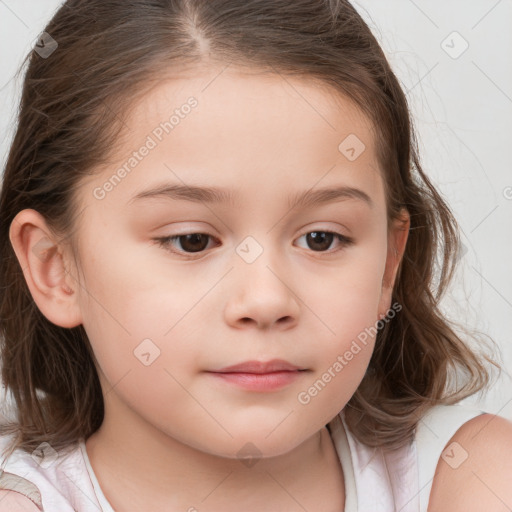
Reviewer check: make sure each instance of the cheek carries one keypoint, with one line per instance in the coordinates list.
(134, 316)
(345, 298)
(142, 333)
(343, 307)
(344, 349)
(342, 354)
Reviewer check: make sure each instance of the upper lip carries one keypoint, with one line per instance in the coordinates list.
(276, 365)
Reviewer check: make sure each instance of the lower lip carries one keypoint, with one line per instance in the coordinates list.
(259, 381)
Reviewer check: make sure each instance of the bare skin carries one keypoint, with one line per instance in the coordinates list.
(173, 431)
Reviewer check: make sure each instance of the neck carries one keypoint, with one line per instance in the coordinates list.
(140, 468)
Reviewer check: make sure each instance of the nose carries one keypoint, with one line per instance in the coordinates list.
(262, 296)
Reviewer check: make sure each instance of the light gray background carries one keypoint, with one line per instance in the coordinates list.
(462, 103)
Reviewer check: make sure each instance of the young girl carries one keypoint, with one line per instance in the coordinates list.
(219, 281)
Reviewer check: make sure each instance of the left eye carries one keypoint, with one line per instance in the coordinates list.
(319, 241)
(323, 240)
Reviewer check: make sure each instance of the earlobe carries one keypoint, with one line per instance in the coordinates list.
(44, 268)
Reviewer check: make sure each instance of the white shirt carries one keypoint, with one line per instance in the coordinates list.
(375, 480)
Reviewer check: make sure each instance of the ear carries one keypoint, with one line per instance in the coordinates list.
(45, 269)
(397, 239)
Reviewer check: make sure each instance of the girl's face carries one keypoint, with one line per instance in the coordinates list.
(262, 279)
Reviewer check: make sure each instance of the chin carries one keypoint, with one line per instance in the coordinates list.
(257, 445)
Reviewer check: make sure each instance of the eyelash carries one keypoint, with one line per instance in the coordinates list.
(166, 242)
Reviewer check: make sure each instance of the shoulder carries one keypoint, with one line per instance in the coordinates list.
(12, 501)
(42, 477)
(474, 472)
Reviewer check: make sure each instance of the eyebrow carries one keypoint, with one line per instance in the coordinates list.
(215, 195)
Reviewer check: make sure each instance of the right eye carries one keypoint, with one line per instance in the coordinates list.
(190, 243)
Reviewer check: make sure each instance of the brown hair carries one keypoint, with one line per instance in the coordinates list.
(70, 120)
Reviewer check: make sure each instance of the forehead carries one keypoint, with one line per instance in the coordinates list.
(225, 126)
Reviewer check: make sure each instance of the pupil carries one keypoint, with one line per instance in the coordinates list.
(195, 239)
(325, 239)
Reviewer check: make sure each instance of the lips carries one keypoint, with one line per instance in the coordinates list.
(259, 376)
(260, 367)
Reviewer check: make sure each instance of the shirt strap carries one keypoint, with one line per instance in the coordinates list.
(12, 482)
(340, 440)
